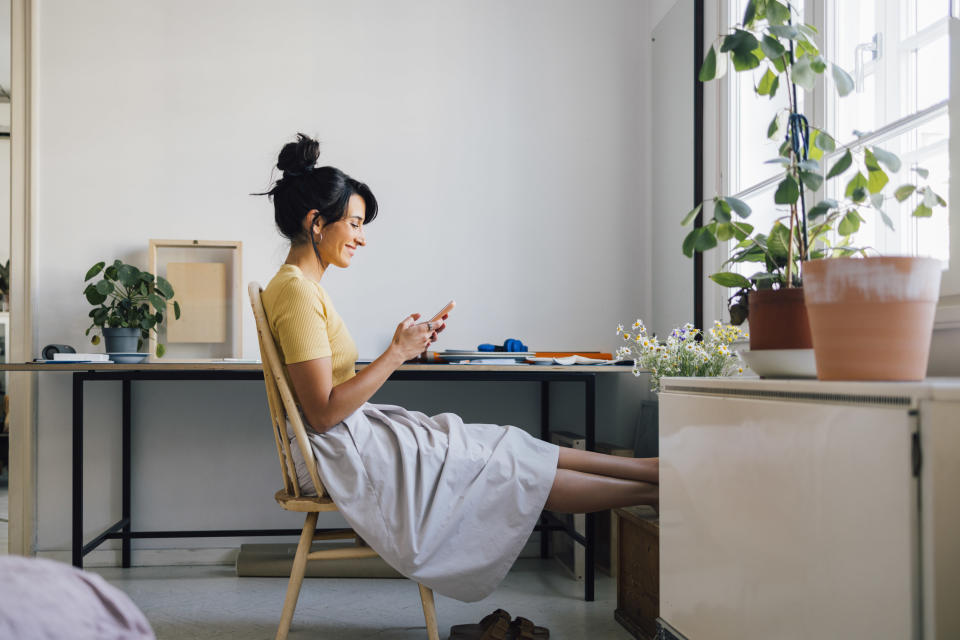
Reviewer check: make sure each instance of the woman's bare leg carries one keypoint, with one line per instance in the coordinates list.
(579, 492)
(642, 469)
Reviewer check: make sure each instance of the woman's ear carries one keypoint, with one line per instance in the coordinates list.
(312, 223)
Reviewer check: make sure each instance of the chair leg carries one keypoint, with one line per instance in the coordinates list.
(429, 612)
(296, 575)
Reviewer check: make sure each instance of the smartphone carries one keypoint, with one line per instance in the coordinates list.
(444, 311)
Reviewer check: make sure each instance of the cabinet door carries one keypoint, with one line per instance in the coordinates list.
(787, 519)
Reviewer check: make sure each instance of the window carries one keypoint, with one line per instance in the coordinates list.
(898, 53)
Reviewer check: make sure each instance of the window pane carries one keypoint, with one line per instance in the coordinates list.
(750, 116)
(897, 52)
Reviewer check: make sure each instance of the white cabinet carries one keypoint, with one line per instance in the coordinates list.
(800, 509)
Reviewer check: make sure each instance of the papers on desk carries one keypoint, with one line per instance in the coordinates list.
(568, 360)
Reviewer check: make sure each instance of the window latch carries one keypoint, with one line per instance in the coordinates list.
(875, 49)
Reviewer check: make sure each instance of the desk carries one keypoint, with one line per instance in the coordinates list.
(127, 373)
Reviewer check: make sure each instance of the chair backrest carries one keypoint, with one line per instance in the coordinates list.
(283, 407)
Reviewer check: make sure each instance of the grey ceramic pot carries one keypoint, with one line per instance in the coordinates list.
(121, 339)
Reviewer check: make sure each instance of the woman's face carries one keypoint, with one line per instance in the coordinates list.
(338, 241)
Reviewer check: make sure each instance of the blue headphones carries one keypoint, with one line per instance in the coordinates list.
(509, 344)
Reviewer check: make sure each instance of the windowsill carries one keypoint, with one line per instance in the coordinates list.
(947, 316)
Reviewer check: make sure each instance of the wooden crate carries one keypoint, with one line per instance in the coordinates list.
(638, 573)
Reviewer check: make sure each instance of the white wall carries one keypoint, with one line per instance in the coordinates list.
(506, 143)
(671, 166)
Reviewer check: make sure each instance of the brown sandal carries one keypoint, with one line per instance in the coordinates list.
(494, 626)
(523, 629)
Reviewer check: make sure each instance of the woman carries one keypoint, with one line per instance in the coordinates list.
(447, 504)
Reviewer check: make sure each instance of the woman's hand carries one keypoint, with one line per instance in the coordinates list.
(412, 338)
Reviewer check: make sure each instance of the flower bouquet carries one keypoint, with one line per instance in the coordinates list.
(682, 354)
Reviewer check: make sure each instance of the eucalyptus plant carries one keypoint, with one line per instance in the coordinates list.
(126, 297)
(788, 55)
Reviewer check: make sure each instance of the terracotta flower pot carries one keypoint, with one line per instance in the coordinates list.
(872, 318)
(778, 320)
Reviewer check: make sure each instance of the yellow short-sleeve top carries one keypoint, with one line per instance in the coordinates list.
(305, 325)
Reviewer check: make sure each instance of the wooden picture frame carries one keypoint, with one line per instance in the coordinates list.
(207, 282)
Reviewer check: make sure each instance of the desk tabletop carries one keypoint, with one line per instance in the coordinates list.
(219, 365)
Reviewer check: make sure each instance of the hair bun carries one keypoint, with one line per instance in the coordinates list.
(298, 157)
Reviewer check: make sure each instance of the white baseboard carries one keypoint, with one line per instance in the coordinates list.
(187, 557)
(149, 557)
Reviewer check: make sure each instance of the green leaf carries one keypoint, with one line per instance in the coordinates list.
(705, 240)
(767, 84)
(842, 79)
(870, 160)
(886, 219)
(742, 61)
(110, 273)
(739, 40)
(818, 64)
(708, 71)
(731, 279)
(841, 165)
(771, 47)
(691, 215)
(158, 302)
(93, 296)
(721, 210)
(784, 31)
(148, 322)
(849, 224)
(750, 13)
(688, 242)
(724, 231)
(876, 199)
(780, 64)
(878, 180)
(95, 339)
(164, 288)
(903, 192)
(929, 197)
(161, 350)
(858, 182)
(742, 208)
(104, 287)
(777, 13)
(809, 165)
(94, 270)
(176, 309)
(888, 159)
(823, 140)
(787, 192)
(774, 126)
(741, 230)
(128, 275)
(811, 180)
(778, 243)
(821, 208)
(783, 162)
(922, 211)
(923, 173)
(803, 73)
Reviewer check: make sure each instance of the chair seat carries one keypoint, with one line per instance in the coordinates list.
(306, 504)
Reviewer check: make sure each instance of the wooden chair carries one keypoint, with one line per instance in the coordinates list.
(291, 497)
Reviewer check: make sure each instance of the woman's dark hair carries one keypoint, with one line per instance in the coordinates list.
(305, 187)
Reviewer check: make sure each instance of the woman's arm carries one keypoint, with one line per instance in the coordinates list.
(325, 405)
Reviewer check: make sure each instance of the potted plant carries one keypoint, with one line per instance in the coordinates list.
(789, 56)
(686, 351)
(128, 304)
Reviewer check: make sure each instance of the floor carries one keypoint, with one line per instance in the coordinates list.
(212, 603)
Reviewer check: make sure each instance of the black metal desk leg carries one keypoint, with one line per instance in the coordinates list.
(125, 532)
(590, 400)
(545, 436)
(77, 531)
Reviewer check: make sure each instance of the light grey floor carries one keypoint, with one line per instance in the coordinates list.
(212, 603)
